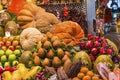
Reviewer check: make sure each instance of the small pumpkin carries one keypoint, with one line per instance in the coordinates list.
(68, 31)
(29, 37)
(34, 16)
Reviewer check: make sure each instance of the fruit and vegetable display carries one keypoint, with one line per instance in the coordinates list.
(35, 45)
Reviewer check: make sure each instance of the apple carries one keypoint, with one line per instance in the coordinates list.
(109, 51)
(15, 63)
(8, 43)
(7, 64)
(1, 43)
(11, 57)
(94, 51)
(8, 52)
(17, 38)
(11, 48)
(5, 39)
(15, 43)
(2, 52)
(17, 47)
(97, 44)
(3, 58)
(102, 50)
(17, 52)
(82, 44)
(4, 48)
(89, 44)
(90, 36)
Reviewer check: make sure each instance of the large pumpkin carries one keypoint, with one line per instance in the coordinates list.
(68, 31)
(29, 37)
(34, 16)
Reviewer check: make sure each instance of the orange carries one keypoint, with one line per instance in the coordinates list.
(90, 73)
(75, 78)
(84, 70)
(95, 78)
(86, 78)
(80, 75)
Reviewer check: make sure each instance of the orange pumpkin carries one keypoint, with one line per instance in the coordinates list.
(68, 31)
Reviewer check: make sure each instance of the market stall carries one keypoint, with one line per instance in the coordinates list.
(49, 40)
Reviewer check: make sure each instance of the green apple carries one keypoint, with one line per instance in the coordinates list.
(14, 63)
(2, 52)
(7, 64)
(12, 57)
(3, 58)
(17, 52)
(8, 52)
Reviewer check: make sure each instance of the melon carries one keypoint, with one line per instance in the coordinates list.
(84, 57)
(106, 60)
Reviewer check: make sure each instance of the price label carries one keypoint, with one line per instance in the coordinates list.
(53, 77)
(7, 34)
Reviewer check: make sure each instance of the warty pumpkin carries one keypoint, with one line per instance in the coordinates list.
(34, 16)
(68, 31)
(29, 37)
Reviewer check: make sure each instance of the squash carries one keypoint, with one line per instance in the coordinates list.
(29, 37)
(68, 31)
(34, 16)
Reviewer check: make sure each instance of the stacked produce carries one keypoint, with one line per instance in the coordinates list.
(10, 51)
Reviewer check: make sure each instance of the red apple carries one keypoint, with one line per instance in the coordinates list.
(90, 36)
(8, 43)
(97, 38)
(89, 44)
(97, 44)
(11, 48)
(102, 50)
(7, 68)
(104, 44)
(1, 43)
(94, 51)
(15, 43)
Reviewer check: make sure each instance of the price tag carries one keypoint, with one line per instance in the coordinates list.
(53, 77)
(7, 34)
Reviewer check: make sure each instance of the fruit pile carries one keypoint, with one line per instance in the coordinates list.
(10, 51)
(50, 51)
(86, 74)
(95, 46)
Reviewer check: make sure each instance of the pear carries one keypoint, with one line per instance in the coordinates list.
(65, 58)
(47, 44)
(57, 43)
(46, 62)
(49, 35)
(37, 60)
(41, 52)
(54, 38)
(60, 52)
(56, 62)
(50, 53)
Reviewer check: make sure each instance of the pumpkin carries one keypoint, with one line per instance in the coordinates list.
(34, 16)
(105, 59)
(29, 37)
(68, 31)
(84, 57)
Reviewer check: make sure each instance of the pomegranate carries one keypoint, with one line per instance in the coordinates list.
(102, 50)
(82, 44)
(90, 36)
(97, 38)
(94, 51)
(97, 44)
(89, 44)
(109, 51)
(92, 57)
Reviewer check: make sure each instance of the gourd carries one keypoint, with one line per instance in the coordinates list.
(29, 37)
(68, 31)
(34, 16)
